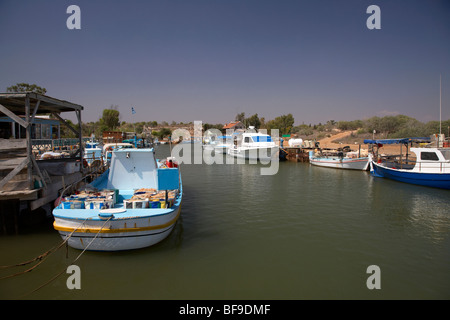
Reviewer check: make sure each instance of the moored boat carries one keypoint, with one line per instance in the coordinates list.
(341, 160)
(431, 168)
(254, 146)
(223, 143)
(134, 204)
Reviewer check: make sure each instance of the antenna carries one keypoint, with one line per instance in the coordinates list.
(440, 104)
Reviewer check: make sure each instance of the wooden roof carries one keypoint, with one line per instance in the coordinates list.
(15, 102)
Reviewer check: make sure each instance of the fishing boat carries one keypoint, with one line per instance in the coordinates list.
(110, 147)
(340, 160)
(253, 146)
(134, 204)
(92, 152)
(430, 166)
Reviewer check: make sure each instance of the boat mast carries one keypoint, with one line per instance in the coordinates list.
(440, 105)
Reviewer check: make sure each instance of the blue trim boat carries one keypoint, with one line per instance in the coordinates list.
(134, 204)
(431, 167)
(254, 146)
(349, 160)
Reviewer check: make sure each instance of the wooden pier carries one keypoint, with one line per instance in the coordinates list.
(27, 182)
(297, 154)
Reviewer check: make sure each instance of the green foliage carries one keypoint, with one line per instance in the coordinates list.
(26, 87)
(350, 125)
(250, 121)
(110, 119)
(283, 123)
(303, 130)
(161, 134)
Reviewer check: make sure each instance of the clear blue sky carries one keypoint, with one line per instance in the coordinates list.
(208, 60)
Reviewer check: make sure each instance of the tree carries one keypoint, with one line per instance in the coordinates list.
(283, 123)
(25, 87)
(240, 117)
(161, 134)
(110, 118)
(253, 121)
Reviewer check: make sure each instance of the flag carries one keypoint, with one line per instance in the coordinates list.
(132, 110)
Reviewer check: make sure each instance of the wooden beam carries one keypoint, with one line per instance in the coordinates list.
(69, 126)
(80, 136)
(36, 107)
(13, 116)
(39, 171)
(11, 144)
(29, 144)
(14, 172)
(55, 102)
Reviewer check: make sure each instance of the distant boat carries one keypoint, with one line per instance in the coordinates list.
(254, 146)
(92, 152)
(341, 160)
(222, 144)
(134, 204)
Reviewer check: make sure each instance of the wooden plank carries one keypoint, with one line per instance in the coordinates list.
(14, 172)
(52, 191)
(19, 194)
(29, 145)
(9, 144)
(13, 116)
(11, 163)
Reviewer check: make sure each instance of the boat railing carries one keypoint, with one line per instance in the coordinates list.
(397, 162)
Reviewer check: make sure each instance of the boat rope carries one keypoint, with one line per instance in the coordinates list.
(41, 258)
(75, 260)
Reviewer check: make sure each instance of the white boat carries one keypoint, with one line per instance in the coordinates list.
(92, 152)
(254, 146)
(134, 204)
(110, 147)
(431, 166)
(222, 144)
(341, 160)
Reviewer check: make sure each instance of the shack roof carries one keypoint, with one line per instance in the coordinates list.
(396, 141)
(15, 102)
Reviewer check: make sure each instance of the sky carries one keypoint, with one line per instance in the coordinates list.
(208, 60)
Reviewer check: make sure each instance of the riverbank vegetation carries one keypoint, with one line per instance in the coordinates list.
(398, 126)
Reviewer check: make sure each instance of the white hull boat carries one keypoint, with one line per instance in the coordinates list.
(134, 204)
(254, 146)
(340, 162)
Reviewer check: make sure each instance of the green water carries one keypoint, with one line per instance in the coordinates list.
(304, 233)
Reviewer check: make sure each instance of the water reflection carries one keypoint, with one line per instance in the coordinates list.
(423, 210)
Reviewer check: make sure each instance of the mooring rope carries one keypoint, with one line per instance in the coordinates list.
(75, 260)
(41, 258)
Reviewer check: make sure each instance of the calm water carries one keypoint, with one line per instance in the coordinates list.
(304, 233)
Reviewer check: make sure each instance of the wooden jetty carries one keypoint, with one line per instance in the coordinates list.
(27, 182)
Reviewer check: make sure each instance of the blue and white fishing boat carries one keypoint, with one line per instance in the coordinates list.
(254, 146)
(134, 204)
(92, 152)
(431, 166)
